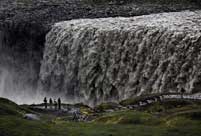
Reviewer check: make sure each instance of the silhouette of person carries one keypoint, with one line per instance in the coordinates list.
(55, 104)
(50, 102)
(75, 117)
(45, 102)
(59, 103)
(182, 92)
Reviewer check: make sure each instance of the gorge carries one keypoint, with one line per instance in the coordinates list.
(97, 60)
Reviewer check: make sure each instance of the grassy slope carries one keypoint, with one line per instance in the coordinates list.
(180, 120)
(8, 107)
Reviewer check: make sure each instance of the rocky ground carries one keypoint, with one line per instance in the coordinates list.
(83, 113)
(173, 117)
(47, 12)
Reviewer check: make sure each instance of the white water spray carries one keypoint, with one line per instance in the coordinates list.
(16, 77)
(109, 59)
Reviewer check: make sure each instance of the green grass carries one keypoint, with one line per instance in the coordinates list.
(129, 117)
(181, 119)
(183, 126)
(13, 126)
(106, 106)
(8, 107)
(168, 105)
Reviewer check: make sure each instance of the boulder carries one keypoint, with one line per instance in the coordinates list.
(30, 116)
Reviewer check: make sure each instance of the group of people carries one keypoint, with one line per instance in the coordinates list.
(57, 104)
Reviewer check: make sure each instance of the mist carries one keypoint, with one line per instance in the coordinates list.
(17, 75)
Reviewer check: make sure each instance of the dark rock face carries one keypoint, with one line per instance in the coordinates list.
(24, 24)
(38, 15)
(110, 59)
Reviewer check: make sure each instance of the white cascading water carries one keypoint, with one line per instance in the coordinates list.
(16, 77)
(110, 59)
(3, 76)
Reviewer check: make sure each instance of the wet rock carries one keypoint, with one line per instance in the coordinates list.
(31, 116)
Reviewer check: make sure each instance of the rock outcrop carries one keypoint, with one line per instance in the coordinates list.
(110, 59)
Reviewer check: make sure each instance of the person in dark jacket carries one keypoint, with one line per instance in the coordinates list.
(55, 104)
(50, 102)
(183, 91)
(45, 102)
(59, 103)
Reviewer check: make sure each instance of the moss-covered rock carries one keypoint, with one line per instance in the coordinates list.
(109, 106)
(8, 107)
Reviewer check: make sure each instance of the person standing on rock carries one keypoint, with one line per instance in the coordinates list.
(50, 102)
(45, 102)
(55, 104)
(59, 103)
(182, 92)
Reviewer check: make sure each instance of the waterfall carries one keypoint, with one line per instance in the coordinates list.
(17, 74)
(3, 75)
(105, 59)
(110, 59)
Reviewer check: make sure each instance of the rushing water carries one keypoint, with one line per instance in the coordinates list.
(108, 59)
(17, 75)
